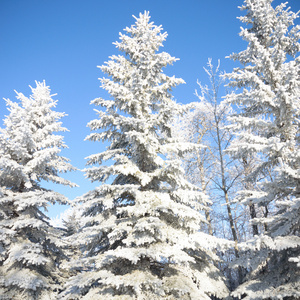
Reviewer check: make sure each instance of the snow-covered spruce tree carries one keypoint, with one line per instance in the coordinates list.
(267, 124)
(30, 250)
(141, 231)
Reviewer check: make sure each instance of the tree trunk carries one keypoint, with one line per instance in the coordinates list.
(253, 216)
(249, 186)
(229, 211)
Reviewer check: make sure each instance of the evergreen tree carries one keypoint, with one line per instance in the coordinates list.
(71, 223)
(267, 125)
(29, 153)
(141, 232)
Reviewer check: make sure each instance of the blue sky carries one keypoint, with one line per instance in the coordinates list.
(63, 42)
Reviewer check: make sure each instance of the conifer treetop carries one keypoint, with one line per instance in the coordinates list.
(29, 141)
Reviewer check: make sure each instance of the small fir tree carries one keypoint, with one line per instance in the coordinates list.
(267, 125)
(141, 232)
(29, 153)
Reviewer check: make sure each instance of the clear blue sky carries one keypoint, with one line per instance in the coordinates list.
(63, 41)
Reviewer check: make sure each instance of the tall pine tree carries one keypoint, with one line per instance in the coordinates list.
(141, 232)
(267, 125)
(30, 250)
